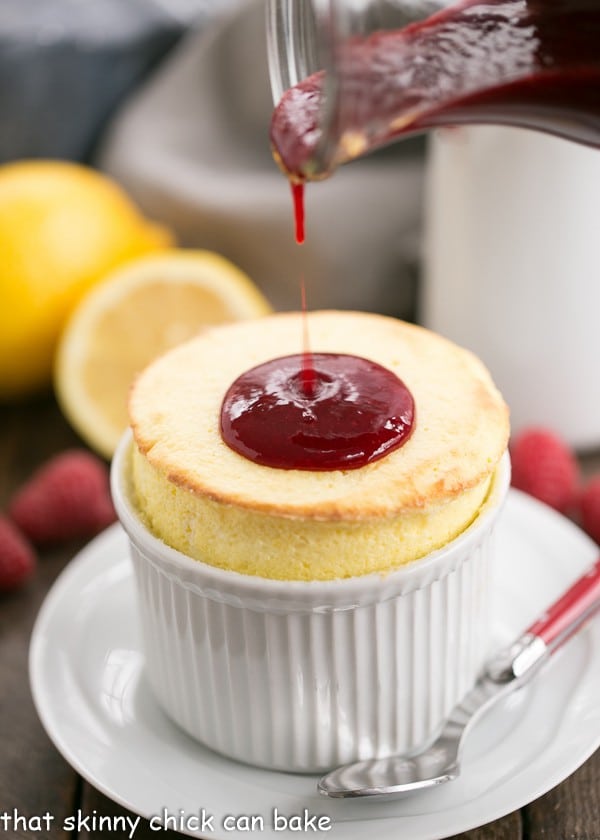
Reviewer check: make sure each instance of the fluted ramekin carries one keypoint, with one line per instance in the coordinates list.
(304, 676)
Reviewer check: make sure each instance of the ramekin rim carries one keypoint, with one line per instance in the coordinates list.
(226, 584)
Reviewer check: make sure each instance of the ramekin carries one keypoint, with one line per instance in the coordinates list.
(304, 676)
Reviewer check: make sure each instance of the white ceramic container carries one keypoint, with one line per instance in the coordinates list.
(511, 268)
(303, 676)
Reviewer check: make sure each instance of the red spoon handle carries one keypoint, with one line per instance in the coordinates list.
(564, 617)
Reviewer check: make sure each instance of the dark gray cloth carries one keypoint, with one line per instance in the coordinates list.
(66, 64)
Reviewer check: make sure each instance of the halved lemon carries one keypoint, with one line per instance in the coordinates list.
(132, 316)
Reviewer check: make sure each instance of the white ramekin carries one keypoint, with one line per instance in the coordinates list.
(304, 676)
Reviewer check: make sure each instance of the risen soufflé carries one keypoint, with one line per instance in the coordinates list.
(218, 507)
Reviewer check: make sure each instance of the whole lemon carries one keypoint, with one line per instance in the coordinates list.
(63, 227)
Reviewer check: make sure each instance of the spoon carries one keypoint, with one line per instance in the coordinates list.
(508, 670)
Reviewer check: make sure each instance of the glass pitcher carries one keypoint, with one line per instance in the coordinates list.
(349, 76)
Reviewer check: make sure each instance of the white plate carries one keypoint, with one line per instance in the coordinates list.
(87, 677)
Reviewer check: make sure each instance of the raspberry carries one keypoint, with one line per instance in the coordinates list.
(65, 499)
(545, 467)
(589, 508)
(17, 557)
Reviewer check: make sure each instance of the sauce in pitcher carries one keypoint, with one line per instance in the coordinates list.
(528, 63)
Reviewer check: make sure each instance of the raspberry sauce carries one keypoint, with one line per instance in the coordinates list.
(358, 411)
(308, 376)
(529, 63)
(298, 202)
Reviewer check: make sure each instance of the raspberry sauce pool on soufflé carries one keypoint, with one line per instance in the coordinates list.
(354, 412)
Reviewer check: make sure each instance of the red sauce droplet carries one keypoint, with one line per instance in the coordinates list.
(298, 199)
(358, 412)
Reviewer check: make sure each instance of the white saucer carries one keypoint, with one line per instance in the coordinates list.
(87, 677)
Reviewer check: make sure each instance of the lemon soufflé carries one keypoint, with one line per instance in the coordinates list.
(426, 478)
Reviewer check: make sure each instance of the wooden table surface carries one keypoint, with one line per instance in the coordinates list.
(35, 779)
